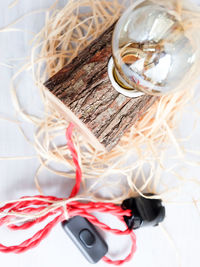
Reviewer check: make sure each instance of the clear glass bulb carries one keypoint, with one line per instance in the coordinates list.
(150, 49)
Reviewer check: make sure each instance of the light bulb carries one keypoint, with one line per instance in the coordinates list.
(151, 52)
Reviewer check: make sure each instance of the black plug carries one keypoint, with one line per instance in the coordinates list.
(145, 212)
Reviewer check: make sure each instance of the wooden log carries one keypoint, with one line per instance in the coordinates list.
(83, 93)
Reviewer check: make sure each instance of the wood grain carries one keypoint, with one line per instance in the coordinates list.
(83, 86)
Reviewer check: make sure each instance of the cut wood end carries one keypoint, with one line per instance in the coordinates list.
(69, 116)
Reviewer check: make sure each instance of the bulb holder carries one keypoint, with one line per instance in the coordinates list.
(127, 92)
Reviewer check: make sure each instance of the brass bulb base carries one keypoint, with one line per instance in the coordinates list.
(119, 84)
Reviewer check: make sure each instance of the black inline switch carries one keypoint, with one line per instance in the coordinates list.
(145, 212)
(86, 238)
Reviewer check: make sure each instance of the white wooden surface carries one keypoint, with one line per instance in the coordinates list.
(153, 248)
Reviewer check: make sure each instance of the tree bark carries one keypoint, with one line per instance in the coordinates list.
(83, 93)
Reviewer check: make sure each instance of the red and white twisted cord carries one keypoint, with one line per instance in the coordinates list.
(36, 209)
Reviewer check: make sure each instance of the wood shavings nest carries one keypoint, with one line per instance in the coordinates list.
(137, 163)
